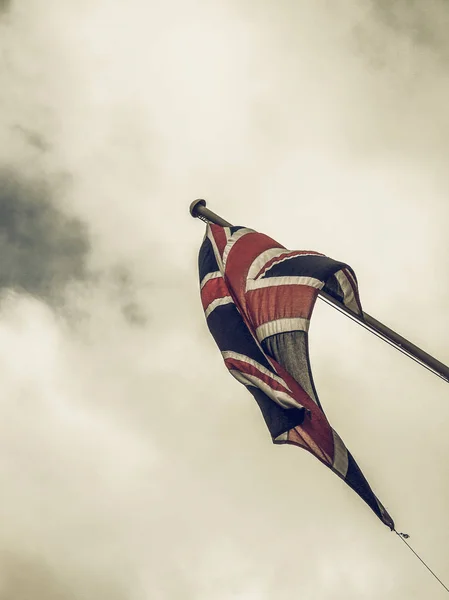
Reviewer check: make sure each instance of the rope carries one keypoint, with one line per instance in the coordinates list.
(404, 537)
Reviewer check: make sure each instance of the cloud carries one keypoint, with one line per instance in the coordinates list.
(5, 5)
(46, 253)
(130, 463)
(42, 250)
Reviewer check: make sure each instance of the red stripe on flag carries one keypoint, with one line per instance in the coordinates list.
(310, 441)
(213, 289)
(276, 259)
(315, 425)
(249, 369)
(241, 256)
(280, 302)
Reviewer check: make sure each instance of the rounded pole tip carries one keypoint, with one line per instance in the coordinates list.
(194, 206)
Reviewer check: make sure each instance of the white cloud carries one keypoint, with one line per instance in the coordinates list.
(130, 463)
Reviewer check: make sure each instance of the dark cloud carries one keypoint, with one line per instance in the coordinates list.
(424, 25)
(5, 5)
(33, 138)
(41, 249)
(134, 314)
(124, 286)
(412, 18)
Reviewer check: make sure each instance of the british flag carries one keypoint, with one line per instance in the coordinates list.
(258, 299)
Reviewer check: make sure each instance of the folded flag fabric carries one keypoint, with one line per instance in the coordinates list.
(258, 299)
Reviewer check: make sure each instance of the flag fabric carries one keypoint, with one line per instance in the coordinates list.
(258, 299)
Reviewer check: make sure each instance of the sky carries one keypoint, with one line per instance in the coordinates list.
(132, 466)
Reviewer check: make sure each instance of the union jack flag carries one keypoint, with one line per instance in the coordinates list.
(258, 299)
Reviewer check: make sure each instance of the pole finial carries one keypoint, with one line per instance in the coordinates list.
(198, 210)
(195, 205)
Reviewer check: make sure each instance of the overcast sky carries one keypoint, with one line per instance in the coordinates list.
(132, 466)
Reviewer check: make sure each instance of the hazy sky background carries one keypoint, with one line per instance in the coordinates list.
(132, 466)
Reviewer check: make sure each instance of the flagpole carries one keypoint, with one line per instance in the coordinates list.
(198, 210)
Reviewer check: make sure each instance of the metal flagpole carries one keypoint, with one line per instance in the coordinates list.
(198, 210)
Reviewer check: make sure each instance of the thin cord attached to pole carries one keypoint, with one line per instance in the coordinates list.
(403, 538)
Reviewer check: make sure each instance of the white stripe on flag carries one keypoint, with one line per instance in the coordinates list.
(216, 303)
(281, 326)
(215, 248)
(268, 255)
(348, 291)
(232, 240)
(281, 398)
(255, 284)
(340, 455)
(351, 277)
(246, 359)
(262, 260)
(293, 254)
(208, 277)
